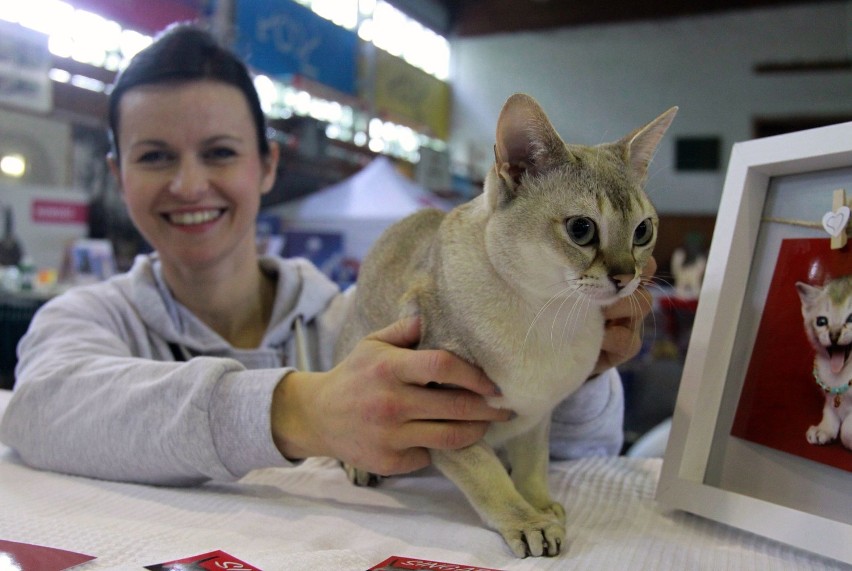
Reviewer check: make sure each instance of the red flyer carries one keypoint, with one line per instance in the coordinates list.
(213, 561)
(29, 557)
(396, 562)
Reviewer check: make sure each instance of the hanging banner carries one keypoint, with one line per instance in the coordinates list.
(283, 39)
(24, 65)
(403, 91)
(147, 16)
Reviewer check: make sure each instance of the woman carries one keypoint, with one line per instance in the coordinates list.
(191, 366)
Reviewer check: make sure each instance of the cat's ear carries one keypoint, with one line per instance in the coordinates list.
(807, 292)
(526, 143)
(641, 145)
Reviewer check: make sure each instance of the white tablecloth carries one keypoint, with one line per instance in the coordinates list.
(311, 518)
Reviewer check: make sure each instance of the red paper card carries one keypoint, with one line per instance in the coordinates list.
(396, 562)
(29, 557)
(212, 561)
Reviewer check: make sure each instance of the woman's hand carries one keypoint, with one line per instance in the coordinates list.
(623, 325)
(374, 410)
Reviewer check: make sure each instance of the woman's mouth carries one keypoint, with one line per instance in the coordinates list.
(193, 218)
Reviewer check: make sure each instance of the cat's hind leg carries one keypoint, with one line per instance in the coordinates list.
(846, 430)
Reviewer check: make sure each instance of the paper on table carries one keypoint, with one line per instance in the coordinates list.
(29, 557)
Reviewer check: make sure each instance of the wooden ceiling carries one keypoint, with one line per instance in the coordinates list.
(462, 18)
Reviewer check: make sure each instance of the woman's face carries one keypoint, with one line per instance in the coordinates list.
(190, 171)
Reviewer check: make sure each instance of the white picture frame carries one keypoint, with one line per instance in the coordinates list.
(784, 497)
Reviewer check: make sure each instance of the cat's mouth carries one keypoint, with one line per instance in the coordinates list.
(837, 356)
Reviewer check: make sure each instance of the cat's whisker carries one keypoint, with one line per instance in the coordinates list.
(588, 307)
(556, 318)
(639, 311)
(656, 281)
(541, 312)
(572, 320)
(571, 313)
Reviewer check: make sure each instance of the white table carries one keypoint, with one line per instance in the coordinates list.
(311, 518)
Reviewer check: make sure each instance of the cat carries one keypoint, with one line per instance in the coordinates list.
(514, 281)
(827, 312)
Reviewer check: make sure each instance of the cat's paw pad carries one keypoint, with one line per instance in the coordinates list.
(541, 537)
(361, 477)
(817, 435)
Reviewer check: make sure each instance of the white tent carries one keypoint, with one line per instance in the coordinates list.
(360, 207)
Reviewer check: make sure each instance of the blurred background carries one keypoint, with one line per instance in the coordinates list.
(383, 107)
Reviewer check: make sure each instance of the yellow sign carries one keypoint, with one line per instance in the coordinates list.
(410, 96)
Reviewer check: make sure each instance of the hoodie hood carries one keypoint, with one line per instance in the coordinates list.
(302, 290)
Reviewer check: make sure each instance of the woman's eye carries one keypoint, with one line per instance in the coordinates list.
(219, 153)
(643, 233)
(152, 157)
(581, 230)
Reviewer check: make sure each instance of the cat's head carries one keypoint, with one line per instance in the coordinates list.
(827, 313)
(570, 218)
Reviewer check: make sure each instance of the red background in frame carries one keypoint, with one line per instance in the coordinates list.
(780, 399)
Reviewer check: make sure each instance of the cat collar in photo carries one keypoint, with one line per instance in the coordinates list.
(837, 392)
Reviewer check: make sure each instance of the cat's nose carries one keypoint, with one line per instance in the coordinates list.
(620, 281)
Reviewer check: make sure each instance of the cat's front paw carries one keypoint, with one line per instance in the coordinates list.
(361, 477)
(816, 435)
(536, 537)
(557, 510)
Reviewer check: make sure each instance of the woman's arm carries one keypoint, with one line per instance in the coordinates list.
(97, 394)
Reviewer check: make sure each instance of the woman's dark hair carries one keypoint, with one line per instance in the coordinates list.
(185, 52)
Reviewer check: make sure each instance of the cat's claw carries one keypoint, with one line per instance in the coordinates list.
(361, 477)
(817, 435)
(536, 539)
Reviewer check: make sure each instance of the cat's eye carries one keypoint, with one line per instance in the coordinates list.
(643, 233)
(849, 319)
(821, 321)
(581, 230)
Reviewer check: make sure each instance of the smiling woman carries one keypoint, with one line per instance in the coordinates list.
(192, 175)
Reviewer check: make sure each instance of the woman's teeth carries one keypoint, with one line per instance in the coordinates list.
(189, 218)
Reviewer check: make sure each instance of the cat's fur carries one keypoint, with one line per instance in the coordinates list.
(827, 313)
(500, 282)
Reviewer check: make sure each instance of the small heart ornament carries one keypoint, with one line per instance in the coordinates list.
(835, 222)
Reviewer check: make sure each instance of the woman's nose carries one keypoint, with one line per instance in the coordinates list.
(189, 180)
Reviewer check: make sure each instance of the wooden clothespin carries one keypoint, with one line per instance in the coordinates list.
(836, 222)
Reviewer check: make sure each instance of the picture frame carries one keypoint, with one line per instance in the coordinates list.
(773, 188)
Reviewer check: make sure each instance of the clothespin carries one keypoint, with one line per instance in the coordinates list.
(837, 221)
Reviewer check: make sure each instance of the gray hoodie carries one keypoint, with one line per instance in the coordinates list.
(119, 381)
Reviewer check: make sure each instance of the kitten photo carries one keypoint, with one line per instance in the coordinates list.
(827, 313)
(514, 281)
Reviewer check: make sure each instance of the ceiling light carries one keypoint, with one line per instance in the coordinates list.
(14, 165)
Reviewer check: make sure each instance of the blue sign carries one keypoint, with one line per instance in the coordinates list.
(281, 38)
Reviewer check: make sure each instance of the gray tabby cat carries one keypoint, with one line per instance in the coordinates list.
(514, 281)
(827, 312)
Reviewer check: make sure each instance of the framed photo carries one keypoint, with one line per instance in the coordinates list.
(742, 450)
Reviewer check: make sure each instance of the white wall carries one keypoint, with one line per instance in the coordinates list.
(598, 83)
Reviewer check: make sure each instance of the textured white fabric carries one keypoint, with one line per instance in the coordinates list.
(311, 518)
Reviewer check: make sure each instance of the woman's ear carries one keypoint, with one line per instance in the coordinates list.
(270, 167)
